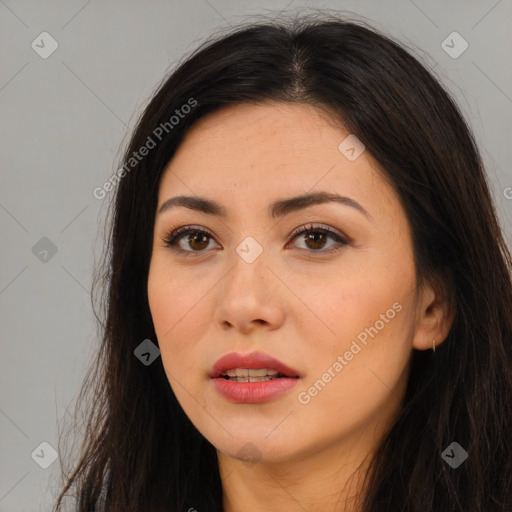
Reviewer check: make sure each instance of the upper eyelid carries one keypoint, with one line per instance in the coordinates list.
(177, 233)
(303, 227)
(311, 226)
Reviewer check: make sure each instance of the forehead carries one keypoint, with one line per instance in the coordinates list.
(263, 131)
(266, 151)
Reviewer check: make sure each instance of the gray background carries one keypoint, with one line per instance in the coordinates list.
(64, 119)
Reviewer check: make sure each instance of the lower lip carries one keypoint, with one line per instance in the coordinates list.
(253, 392)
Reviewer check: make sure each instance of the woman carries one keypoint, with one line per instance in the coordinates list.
(309, 297)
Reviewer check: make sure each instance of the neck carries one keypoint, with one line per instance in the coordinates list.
(326, 480)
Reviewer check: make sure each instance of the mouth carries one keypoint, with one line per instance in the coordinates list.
(252, 375)
(253, 367)
(252, 378)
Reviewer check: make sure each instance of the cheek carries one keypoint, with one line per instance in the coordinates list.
(370, 317)
(358, 376)
(348, 303)
(174, 297)
(177, 318)
(176, 313)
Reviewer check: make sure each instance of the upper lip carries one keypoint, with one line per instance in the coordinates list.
(253, 360)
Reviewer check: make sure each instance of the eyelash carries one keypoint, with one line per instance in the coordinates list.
(174, 235)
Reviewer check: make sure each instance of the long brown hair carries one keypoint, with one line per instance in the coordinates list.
(140, 451)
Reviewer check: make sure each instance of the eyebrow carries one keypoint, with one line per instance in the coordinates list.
(276, 209)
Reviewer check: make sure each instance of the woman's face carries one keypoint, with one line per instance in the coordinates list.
(341, 310)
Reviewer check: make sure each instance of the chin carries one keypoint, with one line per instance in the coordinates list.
(252, 447)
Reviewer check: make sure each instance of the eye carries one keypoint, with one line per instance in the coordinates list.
(315, 238)
(198, 239)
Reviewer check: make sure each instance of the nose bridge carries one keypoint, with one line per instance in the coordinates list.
(247, 295)
(248, 262)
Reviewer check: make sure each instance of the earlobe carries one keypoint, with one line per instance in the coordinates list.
(435, 316)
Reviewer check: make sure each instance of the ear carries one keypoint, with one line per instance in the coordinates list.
(434, 315)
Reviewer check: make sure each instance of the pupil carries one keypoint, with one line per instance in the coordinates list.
(202, 239)
(311, 237)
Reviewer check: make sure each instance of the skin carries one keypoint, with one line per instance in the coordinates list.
(302, 308)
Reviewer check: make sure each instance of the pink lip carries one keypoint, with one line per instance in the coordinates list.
(252, 392)
(254, 360)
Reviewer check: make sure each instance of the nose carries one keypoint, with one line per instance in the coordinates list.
(249, 295)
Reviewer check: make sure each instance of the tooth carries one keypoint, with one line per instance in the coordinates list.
(246, 372)
(251, 379)
(258, 373)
